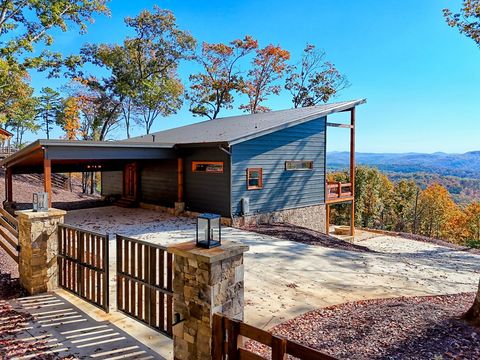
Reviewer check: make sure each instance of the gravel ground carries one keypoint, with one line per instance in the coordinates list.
(425, 239)
(402, 328)
(305, 236)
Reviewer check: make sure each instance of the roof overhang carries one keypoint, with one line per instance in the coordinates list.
(340, 108)
(70, 156)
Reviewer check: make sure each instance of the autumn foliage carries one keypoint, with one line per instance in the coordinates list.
(405, 207)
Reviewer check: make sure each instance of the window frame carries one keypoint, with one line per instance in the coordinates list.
(299, 161)
(196, 163)
(260, 178)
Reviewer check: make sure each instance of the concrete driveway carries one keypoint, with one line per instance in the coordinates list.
(284, 279)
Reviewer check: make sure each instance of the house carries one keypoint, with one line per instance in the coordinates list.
(259, 167)
(5, 143)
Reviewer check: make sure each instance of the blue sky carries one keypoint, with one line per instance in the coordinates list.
(421, 77)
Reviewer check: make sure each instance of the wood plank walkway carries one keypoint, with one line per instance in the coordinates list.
(66, 330)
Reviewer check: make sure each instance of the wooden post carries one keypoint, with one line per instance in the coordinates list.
(8, 185)
(180, 180)
(47, 179)
(352, 171)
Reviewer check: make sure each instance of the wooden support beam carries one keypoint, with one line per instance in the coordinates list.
(352, 170)
(180, 180)
(47, 179)
(346, 126)
(8, 185)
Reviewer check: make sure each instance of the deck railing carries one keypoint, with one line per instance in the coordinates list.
(338, 190)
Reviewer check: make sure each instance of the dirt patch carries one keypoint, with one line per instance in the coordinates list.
(426, 327)
(425, 239)
(305, 236)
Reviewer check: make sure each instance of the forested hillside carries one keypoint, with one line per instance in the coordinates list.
(459, 173)
(403, 206)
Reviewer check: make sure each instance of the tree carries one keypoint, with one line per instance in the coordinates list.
(212, 90)
(49, 104)
(69, 118)
(472, 215)
(437, 211)
(314, 80)
(269, 65)
(467, 20)
(24, 23)
(473, 314)
(405, 196)
(143, 69)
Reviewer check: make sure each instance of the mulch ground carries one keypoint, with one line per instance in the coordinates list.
(305, 236)
(420, 328)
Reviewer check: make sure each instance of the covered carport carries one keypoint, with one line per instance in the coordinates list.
(67, 156)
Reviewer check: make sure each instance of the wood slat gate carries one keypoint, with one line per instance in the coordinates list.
(145, 283)
(9, 234)
(226, 344)
(83, 264)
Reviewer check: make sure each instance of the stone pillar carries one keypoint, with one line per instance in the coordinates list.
(37, 237)
(206, 281)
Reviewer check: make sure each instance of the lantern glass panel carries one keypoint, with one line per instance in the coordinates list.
(215, 229)
(202, 232)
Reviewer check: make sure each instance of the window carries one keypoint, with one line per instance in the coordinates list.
(215, 167)
(298, 165)
(254, 178)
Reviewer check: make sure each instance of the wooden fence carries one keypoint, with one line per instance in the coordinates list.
(83, 264)
(227, 343)
(145, 283)
(9, 234)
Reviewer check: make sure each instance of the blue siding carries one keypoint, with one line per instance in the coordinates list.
(207, 192)
(281, 189)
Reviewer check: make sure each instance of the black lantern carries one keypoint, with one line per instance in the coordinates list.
(209, 233)
(40, 201)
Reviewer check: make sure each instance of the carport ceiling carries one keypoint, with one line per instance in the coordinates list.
(71, 156)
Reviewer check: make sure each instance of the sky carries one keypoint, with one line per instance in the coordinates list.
(420, 77)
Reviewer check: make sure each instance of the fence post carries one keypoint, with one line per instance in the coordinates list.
(38, 240)
(206, 281)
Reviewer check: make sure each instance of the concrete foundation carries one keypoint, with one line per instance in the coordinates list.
(311, 217)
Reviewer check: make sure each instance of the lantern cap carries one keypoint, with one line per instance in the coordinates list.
(209, 216)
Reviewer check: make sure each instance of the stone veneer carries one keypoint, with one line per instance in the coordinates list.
(37, 237)
(206, 281)
(311, 217)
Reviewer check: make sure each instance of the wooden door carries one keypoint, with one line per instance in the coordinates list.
(130, 180)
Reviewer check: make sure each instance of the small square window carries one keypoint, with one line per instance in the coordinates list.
(254, 178)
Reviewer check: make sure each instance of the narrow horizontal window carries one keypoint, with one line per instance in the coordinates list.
(254, 178)
(215, 167)
(292, 165)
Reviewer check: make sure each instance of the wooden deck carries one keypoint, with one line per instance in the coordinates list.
(339, 192)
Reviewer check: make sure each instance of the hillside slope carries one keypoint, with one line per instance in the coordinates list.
(25, 185)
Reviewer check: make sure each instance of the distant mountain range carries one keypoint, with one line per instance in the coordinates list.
(465, 165)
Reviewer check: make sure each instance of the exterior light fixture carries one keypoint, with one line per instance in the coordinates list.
(40, 201)
(209, 232)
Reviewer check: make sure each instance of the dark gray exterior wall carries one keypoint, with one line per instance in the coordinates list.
(112, 183)
(281, 189)
(207, 192)
(158, 182)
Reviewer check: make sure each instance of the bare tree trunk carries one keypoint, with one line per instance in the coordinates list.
(92, 183)
(473, 314)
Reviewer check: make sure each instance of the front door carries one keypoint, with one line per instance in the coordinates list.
(130, 181)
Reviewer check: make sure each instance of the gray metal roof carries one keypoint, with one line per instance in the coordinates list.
(236, 129)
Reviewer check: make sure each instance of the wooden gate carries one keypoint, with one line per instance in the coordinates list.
(9, 234)
(226, 344)
(83, 264)
(145, 283)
